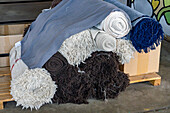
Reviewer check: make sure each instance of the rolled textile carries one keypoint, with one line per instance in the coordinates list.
(33, 88)
(56, 64)
(47, 33)
(125, 50)
(78, 47)
(73, 87)
(29, 88)
(102, 67)
(146, 33)
(116, 24)
(17, 66)
(104, 41)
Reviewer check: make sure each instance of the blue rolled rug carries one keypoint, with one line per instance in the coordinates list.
(146, 33)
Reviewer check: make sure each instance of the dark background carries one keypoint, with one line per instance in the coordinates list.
(21, 11)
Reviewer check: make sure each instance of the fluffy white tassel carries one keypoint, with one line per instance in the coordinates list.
(78, 47)
(124, 50)
(33, 88)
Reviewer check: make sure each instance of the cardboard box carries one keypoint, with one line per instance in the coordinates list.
(12, 29)
(143, 63)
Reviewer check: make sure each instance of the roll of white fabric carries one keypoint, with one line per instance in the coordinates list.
(116, 24)
(105, 42)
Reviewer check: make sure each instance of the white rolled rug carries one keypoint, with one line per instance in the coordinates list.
(116, 24)
(17, 66)
(33, 88)
(124, 50)
(103, 40)
(78, 47)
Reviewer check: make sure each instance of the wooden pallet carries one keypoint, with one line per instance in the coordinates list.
(153, 78)
(5, 86)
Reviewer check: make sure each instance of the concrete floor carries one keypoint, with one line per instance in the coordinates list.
(138, 98)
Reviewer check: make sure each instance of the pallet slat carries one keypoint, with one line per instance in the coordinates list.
(145, 77)
(4, 61)
(13, 29)
(5, 98)
(5, 71)
(7, 42)
(5, 86)
(5, 79)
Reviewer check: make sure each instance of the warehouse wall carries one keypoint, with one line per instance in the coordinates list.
(12, 11)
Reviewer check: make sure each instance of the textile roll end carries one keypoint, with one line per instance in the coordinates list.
(146, 35)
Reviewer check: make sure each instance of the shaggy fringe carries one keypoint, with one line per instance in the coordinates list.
(108, 81)
(73, 87)
(98, 77)
(33, 88)
(125, 50)
(146, 35)
(78, 47)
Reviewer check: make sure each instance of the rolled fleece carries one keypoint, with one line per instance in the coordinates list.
(73, 87)
(108, 81)
(116, 24)
(56, 64)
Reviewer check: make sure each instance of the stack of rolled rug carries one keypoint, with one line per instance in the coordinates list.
(69, 55)
(106, 42)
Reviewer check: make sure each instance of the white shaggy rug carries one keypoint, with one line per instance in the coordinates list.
(78, 47)
(125, 50)
(33, 88)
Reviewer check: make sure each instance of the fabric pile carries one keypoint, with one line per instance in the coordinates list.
(98, 77)
(69, 55)
(73, 87)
